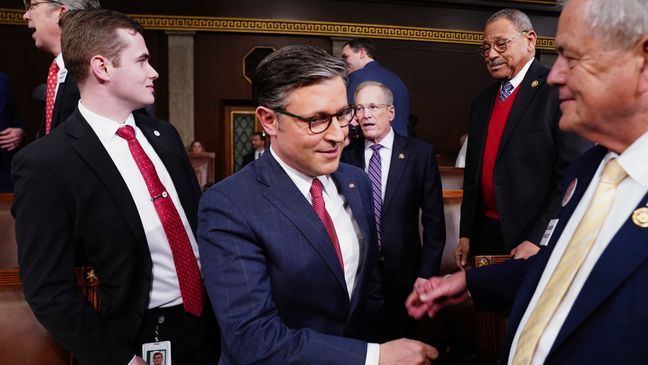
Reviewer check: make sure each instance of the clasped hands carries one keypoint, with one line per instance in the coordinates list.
(431, 296)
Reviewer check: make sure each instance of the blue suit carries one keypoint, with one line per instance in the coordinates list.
(272, 274)
(8, 119)
(373, 71)
(607, 323)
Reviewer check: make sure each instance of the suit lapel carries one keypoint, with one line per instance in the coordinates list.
(350, 189)
(582, 176)
(284, 195)
(525, 95)
(87, 145)
(399, 158)
(623, 255)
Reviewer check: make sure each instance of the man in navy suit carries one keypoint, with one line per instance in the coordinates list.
(11, 132)
(600, 315)
(405, 182)
(360, 57)
(291, 282)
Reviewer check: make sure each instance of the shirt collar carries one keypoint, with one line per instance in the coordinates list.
(103, 127)
(302, 181)
(386, 143)
(60, 62)
(633, 160)
(517, 79)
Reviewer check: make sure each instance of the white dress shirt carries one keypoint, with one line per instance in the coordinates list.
(385, 152)
(517, 79)
(62, 73)
(628, 195)
(165, 290)
(346, 228)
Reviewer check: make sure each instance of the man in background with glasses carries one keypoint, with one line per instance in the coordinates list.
(516, 154)
(62, 94)
(287, 244)
(405, 180)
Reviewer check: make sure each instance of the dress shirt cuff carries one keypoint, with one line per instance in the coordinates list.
(132, 360)
(373, 354)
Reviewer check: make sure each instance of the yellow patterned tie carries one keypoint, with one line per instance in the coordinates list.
(570, 262)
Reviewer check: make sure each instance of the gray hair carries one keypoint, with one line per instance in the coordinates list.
(290, 68)
(618, 24)
(520, 20)
(72, 4)
(389, 96)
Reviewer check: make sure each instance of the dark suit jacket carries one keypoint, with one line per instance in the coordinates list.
(8, 119)
(607, 323)
(530, 162)
(72, 207)
(413, 183)
(67, 99)
(272, 275)
(373, 71)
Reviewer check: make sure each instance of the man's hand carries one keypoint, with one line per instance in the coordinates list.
(10, 138)
(437, 293)
(525, 250)
(404, 351)
(462, 252)
(419, 282)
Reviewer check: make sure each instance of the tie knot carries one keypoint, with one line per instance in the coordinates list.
(507, 87)
(316, 188)
(376, 147)
(126, 132)
(613, 173)
(54, 67)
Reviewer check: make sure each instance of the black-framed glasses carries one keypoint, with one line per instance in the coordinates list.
(373, 108)
(320, 122)
(33, 4)
(500, 45)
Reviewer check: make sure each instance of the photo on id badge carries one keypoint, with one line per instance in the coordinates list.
(157, 353)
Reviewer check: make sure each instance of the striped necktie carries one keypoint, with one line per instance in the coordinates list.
(375, 175)
(506, 91)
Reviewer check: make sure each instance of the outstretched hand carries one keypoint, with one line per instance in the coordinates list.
(438, 292)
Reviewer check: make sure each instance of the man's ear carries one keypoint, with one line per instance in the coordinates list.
(642, 50)
(268, 120)
(100, 67)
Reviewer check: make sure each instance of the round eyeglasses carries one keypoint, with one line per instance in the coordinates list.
(500, 45)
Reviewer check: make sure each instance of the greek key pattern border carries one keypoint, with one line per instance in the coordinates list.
(273, 26)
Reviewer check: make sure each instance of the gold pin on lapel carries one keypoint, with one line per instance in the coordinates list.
(640, 217)
(351, 185)
(534, 83)
(401, 156)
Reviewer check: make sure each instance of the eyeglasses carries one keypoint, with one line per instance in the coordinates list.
(320, 122)
(32, 5)
(499, 45)
(373, 108)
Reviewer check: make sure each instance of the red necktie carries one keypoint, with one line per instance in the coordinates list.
(320, 209)
(49, 99)
(191, 286)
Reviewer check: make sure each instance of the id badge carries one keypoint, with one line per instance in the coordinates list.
(157, 353)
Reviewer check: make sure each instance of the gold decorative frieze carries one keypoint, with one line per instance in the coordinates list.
(297, 27)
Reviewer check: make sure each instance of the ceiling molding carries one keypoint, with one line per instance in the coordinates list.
(297, 27)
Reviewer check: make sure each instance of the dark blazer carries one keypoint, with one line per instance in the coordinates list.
(272, 275)
(413, 183)
(8, 119)
(67, 99)
(374, 71)
(72, 207)
(530, 162)
(607, 323)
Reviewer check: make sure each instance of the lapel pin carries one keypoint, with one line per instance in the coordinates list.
(569, 192)
(640, 217)
(534, 83)
(401, 156)
(351, 185)
(157, 134)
